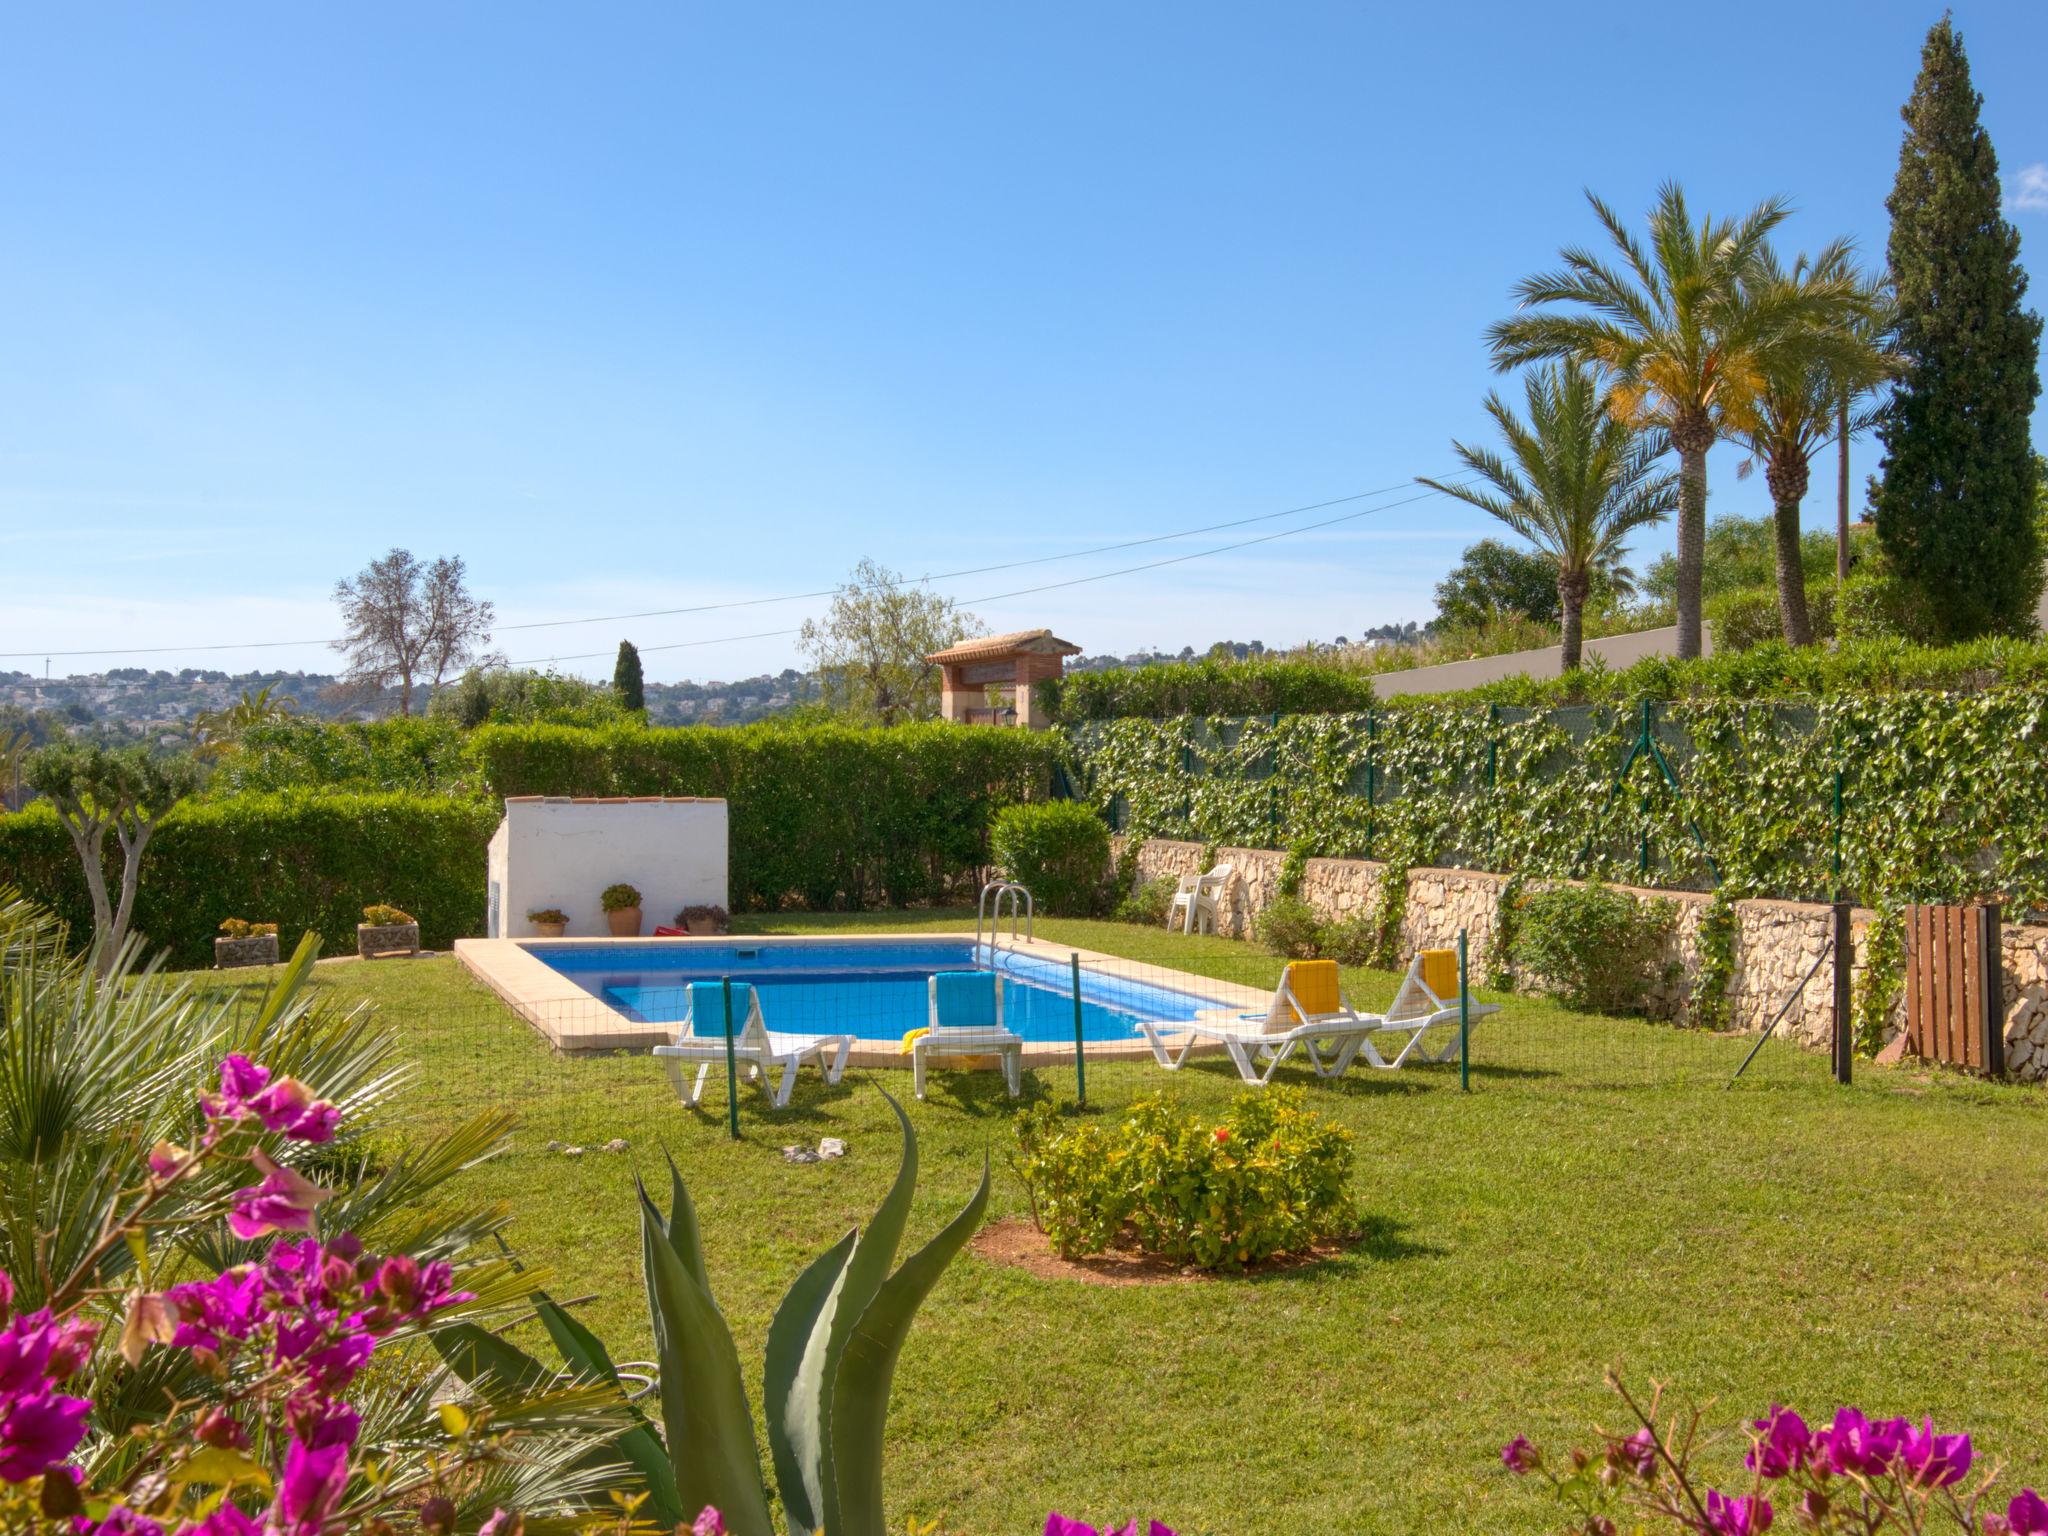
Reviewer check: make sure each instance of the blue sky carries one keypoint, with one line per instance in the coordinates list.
(652, 306)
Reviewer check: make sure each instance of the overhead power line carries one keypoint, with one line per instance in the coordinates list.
(787, 597)
(1054, 586)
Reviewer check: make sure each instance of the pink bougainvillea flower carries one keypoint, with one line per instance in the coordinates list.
(333, 1368)
(1639, 1453)
(221, 1428)
(2027, 1514)
(1854, 1444)
(213, 1312)
(240, 1081)
(502, 1523)
(1519, 1456)
(1744, 1516)
(709, 1522)
(1932, 1460)
(1057, 1524)
(6, 1295)
(310, 1489)
(1783, 1444)
(319, 1422)
(288, 1105)
(167, 1159)
(71, 1348)
(224, 1521)
(120, 1521)
(25, 1351)
(38, 1431)
(283, 1202)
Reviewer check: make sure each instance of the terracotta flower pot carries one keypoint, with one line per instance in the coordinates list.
(625, 922)
(700, 927)
(550, 930)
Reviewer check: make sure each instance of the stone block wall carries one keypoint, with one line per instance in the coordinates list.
(1776, 942)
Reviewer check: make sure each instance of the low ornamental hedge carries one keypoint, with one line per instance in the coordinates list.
(1057, 850)
(822, 816)
(1207, 688)
(303, 861)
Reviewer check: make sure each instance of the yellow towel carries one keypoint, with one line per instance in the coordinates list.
(912, 1038)
(1314, 985)
(1440, 972)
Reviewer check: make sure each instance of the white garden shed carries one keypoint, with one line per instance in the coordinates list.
(555, 851)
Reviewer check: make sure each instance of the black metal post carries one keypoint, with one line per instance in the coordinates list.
(1994, 989)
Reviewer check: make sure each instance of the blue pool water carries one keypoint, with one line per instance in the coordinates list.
(859, 987)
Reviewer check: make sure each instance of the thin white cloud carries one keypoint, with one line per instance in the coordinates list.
(2028, 192)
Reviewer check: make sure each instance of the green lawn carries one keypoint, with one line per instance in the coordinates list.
(1597, 1198)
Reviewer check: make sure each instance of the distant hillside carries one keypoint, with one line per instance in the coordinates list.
(135, 704)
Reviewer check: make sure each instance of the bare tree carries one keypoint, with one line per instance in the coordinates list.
(409, 622)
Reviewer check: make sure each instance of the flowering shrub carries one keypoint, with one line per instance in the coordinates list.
(1273, 1177)
(272, 1443)
(1854, 1474)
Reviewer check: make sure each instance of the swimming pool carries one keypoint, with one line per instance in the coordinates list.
(873, 990)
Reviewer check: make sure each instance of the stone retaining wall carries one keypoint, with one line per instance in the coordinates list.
(1776, 942)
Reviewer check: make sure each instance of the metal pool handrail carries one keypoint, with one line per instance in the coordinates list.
(1019, 897)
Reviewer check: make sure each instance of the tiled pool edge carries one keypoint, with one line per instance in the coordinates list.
(572, 1020)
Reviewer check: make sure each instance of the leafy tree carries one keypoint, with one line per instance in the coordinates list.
(1816, 380)
(869, 650)
(1741, 553)
(627, 682)
(1679, 335)
(1955, 509)
(406, 622)
(215, 732)
(519, 696)
(1576, 482)
(1492, 578)
(95, 790)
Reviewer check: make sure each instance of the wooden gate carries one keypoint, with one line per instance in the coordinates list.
(1955, 994)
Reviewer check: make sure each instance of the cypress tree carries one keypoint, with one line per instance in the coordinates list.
(626, 680)
(1955, 507)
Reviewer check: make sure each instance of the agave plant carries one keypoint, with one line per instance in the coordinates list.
(831, 1355)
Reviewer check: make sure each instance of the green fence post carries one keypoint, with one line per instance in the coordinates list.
(1464, 1021)
(732, 1070)
(1273, 781)
(1080, 1057)
(1372, 771)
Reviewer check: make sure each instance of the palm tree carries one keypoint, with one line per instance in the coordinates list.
(1818, 380)
(1679, 335)
(1580, 482)
(217, 731)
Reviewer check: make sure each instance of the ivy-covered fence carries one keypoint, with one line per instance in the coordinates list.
(1892, 797)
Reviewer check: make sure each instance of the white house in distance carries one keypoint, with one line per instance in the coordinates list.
(554, 851)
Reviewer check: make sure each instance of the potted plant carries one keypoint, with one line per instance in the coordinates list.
(244, 943)
(548, 922)
(621, 904)
(698, 919)
(385, 930)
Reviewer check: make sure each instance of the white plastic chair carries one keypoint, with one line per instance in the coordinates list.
(755, 1047)
(1198, 899)
(1426, 999)
(1307, 1011)
(967, 1020)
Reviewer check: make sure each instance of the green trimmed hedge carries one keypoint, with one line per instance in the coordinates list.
(1207, 688)
(822, 816)
(409, 756)
(302, 861)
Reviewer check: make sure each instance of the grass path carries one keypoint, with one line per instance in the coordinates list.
(1598, 1198)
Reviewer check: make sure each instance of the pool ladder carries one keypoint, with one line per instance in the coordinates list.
(1019, 899)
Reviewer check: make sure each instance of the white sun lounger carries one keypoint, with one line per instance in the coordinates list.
(967, 1021)
(1196, 903)
(755, 1047)
(1427, 999)
(1307, 1010)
